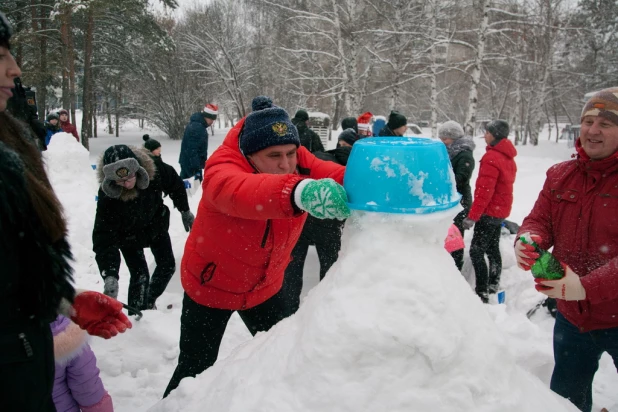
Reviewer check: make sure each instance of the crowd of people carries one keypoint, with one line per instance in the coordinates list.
(269, 192)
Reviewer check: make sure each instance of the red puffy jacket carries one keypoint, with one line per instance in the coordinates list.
(68, 127)
(493, 195)
(245, 229)
(577, 214)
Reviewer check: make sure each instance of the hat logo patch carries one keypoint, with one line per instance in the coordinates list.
(599, 106)
(122, 172)
(280, 129)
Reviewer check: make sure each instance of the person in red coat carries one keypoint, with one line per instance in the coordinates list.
(67, 126)
(258, 187)
(576, 214)
(493, 199)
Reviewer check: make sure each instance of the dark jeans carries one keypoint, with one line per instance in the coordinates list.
(486, 241)
(327, 241)
(202, 329)
(577, 355)
(143, 291)
(26, 367)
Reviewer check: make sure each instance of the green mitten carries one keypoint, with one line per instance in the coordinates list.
(323, 199)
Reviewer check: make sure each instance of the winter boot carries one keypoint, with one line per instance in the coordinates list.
(111, 287)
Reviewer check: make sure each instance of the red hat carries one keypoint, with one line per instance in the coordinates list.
(211, 111)
(364, 121)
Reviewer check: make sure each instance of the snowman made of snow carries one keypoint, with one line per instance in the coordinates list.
(393, 326)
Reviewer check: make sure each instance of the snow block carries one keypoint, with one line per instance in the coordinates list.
(392, 327)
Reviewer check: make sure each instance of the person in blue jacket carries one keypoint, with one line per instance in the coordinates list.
(194, 147)
(51, 126)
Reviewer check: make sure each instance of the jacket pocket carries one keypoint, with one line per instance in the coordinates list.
(207, 273)
(266, 233)
(566, 195)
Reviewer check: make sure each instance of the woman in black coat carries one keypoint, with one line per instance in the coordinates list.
(35, 272)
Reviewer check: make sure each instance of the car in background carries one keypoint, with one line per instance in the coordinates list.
(413, 130)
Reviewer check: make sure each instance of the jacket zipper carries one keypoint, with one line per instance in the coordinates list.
(26, 344)
(210, 270)
(266, 232)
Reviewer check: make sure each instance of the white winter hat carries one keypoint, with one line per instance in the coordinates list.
(450, 130)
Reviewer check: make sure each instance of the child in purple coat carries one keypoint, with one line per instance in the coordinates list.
(77, 386)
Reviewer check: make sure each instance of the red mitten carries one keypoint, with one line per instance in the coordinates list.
(99, 315)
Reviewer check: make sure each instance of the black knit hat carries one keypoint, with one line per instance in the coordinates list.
(349, 136)
(499, 129)
(396, 120)
(5, 31)
(350, 123)
(51, 116)
(150, 144)
(301, 115)
(266, 127)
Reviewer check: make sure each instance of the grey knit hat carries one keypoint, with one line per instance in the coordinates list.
(450, 130)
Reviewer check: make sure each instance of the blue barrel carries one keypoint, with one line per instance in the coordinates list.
(400, 175)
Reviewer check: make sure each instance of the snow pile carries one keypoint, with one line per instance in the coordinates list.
(74, 181)
(407, 335)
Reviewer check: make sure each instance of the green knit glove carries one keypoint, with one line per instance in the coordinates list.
(323, 199)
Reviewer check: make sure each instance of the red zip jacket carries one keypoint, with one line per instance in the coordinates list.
(245, 229)
(577, 214)
(493, 194)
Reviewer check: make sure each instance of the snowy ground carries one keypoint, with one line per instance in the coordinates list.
(136, 366)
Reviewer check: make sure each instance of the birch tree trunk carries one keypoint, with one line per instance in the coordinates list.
(477, 70)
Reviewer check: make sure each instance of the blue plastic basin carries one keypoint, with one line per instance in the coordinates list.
(400, 175)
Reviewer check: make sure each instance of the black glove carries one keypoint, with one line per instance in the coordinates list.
(467, 223)
(187, 219)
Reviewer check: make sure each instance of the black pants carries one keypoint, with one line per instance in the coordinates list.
(327, 241)
(486, 241)
(27, 367)
(143, 291)
(202, 329)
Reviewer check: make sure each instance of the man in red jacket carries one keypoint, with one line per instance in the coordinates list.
(67, 126)
(576, 213)
(493, 198)
(257, 187)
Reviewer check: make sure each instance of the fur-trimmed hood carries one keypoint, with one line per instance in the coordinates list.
(69, 339)
(459, 145)
(144, 161)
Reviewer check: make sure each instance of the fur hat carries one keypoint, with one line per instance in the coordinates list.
(499, 129)
(349, 123)
(450, 130)
(349, 136)
(120, 163)
(269, 126)
(150, 144)
(51, 116)
(211, 111)
(364, 121)
(603, 103)
(396, 120)
(301, 115)
(6, 31)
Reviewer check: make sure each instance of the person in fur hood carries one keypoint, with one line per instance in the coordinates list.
(77, 385)
(131, 216)
(35, 274)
